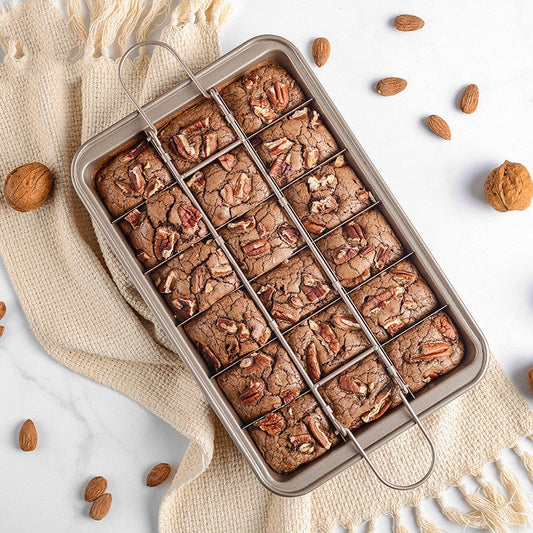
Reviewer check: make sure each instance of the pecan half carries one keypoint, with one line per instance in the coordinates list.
(182, 147)
(382, 257)
(198, 279)
(298, 440)
(227, 161)
(243, 187)
(321, 182)
(318, 432)
(195, 127)
(243, 224)
(135, 151)
(326, 205)
(262, 109)
(354, 232)
(255, 362)
(232, 346)
(189, 216)
(284, 312)
(445, 328)
(352, 386)
(278, 94)
(221, 270)
(243, 333)
(197, 182)
(273, 423)
(327, 336)
(265, 293)
(227, 194)
(288, 234)
(166, 285)
(346, 322)
(280, 166)
(433, 350)
(210, 144)
(278, 146)
(126, 189)
(344, 255)
(256, 248)
(313, 226)
(227, 325)
(311, 156)
(164, 242)
(299, 113)
(183, 308)
(383, 402)
(381, 300)
(359, 279)
(253, 393)
(311, 362)
(394, 325)
(135, 218)
(312, 288)
(137, 178)
(210, 358)
(405, 275)
(154, 185)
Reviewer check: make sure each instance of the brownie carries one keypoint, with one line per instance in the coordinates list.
(360, 394)
(296, 434)
(229, 187)
(195, 133)
(294, 289)
(166, 224)
(127, 179)
(229, 329)
(394, 300)
(261, 382)
(196, 279)
(294, 145)
(360, 248)
(328, 196)
(261, 239)
(261, 96)
(327, 340)
(427, 351)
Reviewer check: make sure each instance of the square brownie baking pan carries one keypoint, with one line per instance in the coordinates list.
(216, 198)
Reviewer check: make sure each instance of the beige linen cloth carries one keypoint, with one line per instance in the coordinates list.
(58, 88)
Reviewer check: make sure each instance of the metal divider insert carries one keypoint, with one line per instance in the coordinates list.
(346, 434)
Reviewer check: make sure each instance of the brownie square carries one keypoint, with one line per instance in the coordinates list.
(360, 394)
(262, 239)
(328, 196)
(296, 434)
(194, 134)
(229, 329)
(361, 248)
(427, 351)
(294, 289)
(327, 340)
(261, 96)
(129, 178)
(166, 224)
(196, 279)
(229, 187)
(295, 145)
(394, 300)
(261, 382)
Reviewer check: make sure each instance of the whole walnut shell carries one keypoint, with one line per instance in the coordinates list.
(509, 187)
(27, 187)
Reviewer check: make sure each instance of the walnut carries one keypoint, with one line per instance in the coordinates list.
(509, 187)
(27, 187)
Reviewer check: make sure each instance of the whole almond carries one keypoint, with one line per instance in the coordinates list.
(530, 378)
(408, 23)
(439, 127)
(469, 99)
(95, 488)
(158, 474)
(390, 86)
(2, 310)
(321, 50)
(28, 436)
(101, 506)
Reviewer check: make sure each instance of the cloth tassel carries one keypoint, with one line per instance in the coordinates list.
(398, 526)
(158, 10)
(425, 525)
(213, 11)
(527, 459)
(518, 499)
(471, 519)
(370, 526)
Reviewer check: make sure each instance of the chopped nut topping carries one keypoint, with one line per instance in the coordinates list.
(256, 248)
(243, 187)
(211, 359)
(137, 178)
(253, 393)
(328, 338)
(278, 146)
(278, 94)
(210, 144)
(227, 194)
(315, 120)
(195, 127)
(311, 362)
(265, 293)
(227, 161)
(300, 113)
(243, 333)
(126, 189)
(183, 308)
(321, 182)
(313, 226)
(352, 386)
(382, 257)
(248, 81)
(181, 146)
(143, 257)
(326, 205)
(394, 326)
(197, 182)
(135, 151)
(344, 255)
(198, 279)
(299, 440)
(255, 362)
(426, 378)
(164, 241)
(288, 395)
(381, 300)
(221, 270)
(445, 328)
(405, 275)
(433, 350)
(135, 218)
(227, 325)
(354, 232)
(311, 156)
(154, 185)
(339, 161)
(348, 323)
(263, 110)
(166, 285)
(383, 402)
(295, 301)
(288, 234)
(189, 216)
(318, 432)
(273, 423)
(280, 166)
(312, 288)
(244, 224)
(284, 312)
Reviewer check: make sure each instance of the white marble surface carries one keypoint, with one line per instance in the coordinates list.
(86, 429)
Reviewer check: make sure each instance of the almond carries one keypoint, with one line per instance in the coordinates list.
(2, 310)
(28, 436)
(408, 23)
(469, 99)
(439, 127)
(390, 86)
(321, 50)
(158, 474)
(95, 488)
(101, 506)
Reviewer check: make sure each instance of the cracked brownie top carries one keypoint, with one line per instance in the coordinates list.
(229, 329)
(261, 96)
(328, 196)
(166, 224)
(294, 289)
(261, 239)
(294, 145)
(394, 300)
(129, 178)
(327, 340)
(195, 279)
(361, 248)
(427, 351)
(229, 187)
(194, 134)
(360, 394)
(296, 434)
(261, 382)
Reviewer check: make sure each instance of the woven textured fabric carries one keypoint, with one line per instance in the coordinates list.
(57, 89)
